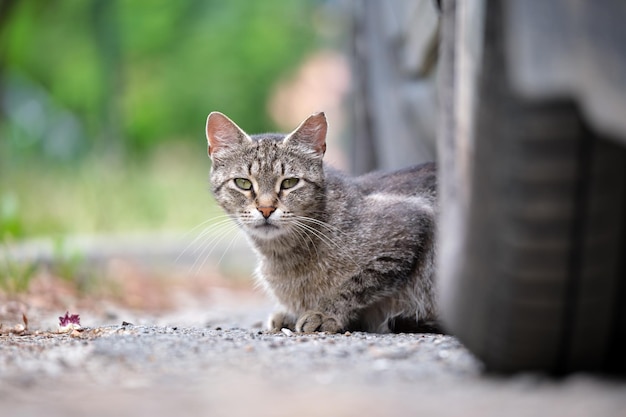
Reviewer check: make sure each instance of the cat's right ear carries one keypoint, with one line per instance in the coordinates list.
(222, 133)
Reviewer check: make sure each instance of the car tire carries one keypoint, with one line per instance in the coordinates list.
(532, 222)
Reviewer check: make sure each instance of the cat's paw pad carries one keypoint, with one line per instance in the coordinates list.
(280, 320)
(315, 321)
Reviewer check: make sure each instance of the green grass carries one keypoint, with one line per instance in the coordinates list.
(167, 191)
(15, 277)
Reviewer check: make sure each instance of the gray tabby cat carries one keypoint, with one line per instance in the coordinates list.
(337, 253)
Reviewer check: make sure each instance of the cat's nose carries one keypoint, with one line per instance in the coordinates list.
(266, 211)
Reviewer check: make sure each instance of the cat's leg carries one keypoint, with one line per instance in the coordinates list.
(385, 278)
(371, 319)
(407, 267)
(281, 319)
(376, 317)
(316, 321)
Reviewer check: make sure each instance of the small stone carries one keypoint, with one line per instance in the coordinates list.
(286, 331)
(347, 334)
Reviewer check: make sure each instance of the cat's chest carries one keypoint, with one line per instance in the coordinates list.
(300, 287)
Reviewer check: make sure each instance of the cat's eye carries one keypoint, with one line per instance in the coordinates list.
(243, 183)
(289, 183)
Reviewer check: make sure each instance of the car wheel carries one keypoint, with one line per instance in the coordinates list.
(532, 217)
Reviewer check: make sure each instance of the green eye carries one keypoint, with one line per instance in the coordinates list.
(289, 183)
(243, 183)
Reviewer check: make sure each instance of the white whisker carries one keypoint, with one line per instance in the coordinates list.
(202, 234)
(210, 246)
(304, 237)
(211, 229)
(307, 229)
(325, 225)
(229, 245)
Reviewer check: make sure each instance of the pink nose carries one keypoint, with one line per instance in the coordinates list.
(266, 211)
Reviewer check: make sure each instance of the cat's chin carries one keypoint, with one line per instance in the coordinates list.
(266, 231)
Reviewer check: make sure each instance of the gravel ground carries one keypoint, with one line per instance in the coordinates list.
(228, 366)
(212, 358)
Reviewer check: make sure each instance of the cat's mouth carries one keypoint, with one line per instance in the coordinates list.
(266, 230)
(266, 225)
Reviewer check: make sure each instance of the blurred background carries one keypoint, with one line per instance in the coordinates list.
(103, 103)
(103, 162)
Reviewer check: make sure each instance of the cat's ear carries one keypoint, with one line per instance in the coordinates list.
(223, 133)
(311, 133)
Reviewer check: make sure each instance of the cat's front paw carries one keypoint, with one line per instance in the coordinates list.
(315, 321)
(280, 320)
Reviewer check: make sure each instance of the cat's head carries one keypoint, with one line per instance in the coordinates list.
(270, 183)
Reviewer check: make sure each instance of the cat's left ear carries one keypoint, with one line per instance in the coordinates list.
(223, 133)
(311, 133)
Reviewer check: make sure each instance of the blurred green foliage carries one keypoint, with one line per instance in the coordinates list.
(125, 74)
(94, 92)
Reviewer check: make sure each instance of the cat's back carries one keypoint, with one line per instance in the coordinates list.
(415, 180)
(377, 204)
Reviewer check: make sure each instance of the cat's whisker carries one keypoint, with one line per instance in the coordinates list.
(218, 219)
(206, 253)
(223, 231)
(210, 219)
(304, 237)
(325, 239)
(202, 234)
(301, 237)
(215, 220)
(217, 227)
(327, 226)
(209, 247)
(320, 235)
(202, 247)
(235, 236)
